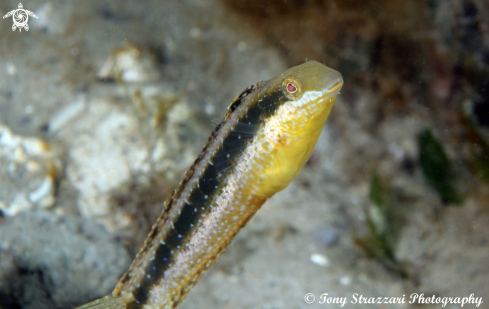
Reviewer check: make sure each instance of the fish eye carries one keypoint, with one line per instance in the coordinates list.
(291, 88)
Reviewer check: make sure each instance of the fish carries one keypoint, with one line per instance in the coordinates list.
(265, 139)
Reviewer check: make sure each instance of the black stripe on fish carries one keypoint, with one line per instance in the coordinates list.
(210, 184)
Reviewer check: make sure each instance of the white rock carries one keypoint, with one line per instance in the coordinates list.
(131, 64)
(28, 167)
(320, 259)
(44, 194)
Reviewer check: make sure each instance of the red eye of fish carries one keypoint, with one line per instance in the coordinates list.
(291, 88)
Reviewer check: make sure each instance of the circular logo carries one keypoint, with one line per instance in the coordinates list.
(20, 18)
(309, 298)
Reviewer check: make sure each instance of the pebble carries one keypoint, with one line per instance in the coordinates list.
(320, 259)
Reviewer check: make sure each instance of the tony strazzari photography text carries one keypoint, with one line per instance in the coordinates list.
(415, 298)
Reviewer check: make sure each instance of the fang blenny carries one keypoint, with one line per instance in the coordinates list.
(263, 142)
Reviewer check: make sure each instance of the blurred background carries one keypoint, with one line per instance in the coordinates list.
(104, 105)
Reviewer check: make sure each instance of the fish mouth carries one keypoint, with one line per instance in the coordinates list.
(335, 88)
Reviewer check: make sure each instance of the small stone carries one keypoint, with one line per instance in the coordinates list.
(320, 259)
(345, 280)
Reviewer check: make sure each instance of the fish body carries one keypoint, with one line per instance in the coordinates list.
(263, 142)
